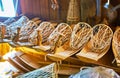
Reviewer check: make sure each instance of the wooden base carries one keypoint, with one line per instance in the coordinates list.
(44, 48)
(87, 55)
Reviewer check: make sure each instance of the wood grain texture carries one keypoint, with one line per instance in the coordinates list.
(42, 8)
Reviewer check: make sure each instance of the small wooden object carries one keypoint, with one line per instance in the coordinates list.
(23, 61)
(16, 38)
(2, 32)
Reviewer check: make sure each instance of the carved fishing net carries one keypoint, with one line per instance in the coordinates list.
(27, 29)
(44, 72)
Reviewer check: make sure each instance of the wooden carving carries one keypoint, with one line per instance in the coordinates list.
(79, 37)
(99, 44)
(45, 28)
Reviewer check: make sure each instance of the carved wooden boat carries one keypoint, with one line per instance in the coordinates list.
(57, 38)
(23, 62)
(46, 29)
(99, 44)
(80, 36)
(12, 60)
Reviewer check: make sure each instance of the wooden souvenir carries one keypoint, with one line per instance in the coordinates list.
(79, 37)
(99, 44)
(45, 29)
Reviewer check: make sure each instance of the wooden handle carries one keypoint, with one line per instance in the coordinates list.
(3, 31)
(18, 30)
(39, 37)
